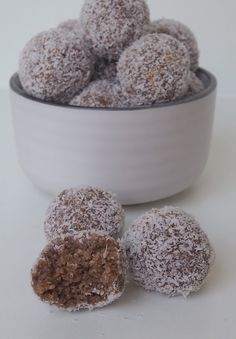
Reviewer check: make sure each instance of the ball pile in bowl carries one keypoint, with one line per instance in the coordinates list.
(112, 56)
(86, 262)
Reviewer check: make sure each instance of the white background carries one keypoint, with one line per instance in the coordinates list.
(213, 22)
(210, 314)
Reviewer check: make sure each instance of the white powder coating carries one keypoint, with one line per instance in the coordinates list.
(110, 299)
(54, 66)
(180, 32)
(105, 70)
(110, 26)
(168, 252)
(71, 25)
(154, 69)
(84, 208)
(195, 85)
(100, 93)
(122, 264)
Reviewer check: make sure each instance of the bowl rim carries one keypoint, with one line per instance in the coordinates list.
(15, 86)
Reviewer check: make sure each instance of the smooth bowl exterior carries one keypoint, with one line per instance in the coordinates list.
(142, 154)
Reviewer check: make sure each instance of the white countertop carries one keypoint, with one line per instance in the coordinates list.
(209, 314)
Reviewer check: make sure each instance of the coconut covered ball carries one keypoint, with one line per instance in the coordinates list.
(180, 32)
(100, 93)
(111, 25)
(54, 66)
(168, 252)
(84, 208)
(195, 85)
(105, 69)
(154, 69)
(82, 272)
(71, 25)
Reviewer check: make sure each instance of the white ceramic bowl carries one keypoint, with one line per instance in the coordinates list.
(142, 154)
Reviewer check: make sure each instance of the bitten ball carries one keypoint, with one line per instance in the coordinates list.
(154, 69)
(54, 66)
(85, 271)
(110, 26)
(100, 93)
(84, 208)
(180, 32)
(168, 252)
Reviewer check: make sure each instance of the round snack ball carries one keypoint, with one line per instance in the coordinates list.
(85, 271)
(100, 93)
(154, 69)
(54, 66)
(195, 85)
(105, 70)
(83, 208)
(180, 32)
(111, 25)
(71, 25)
(168, 252)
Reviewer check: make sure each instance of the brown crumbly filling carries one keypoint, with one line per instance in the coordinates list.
(79, 271)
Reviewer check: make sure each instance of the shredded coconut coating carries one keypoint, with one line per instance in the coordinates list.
(195, 85)
(84, 208)
(180, 32)
(168, 252)
(85, 271)
(154, 69)
(71, 25)
(110, 26)
(101, 93)
(105, 70)
(54, 66)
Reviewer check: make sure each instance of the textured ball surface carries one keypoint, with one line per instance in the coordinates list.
(54, 66)
(71, 25)
(105, 70)
(100, 93)
(180, 32)
(82, 272)
(154, 69)
(195, 85)
(111, 25)
(168, 252)
(84, 208)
